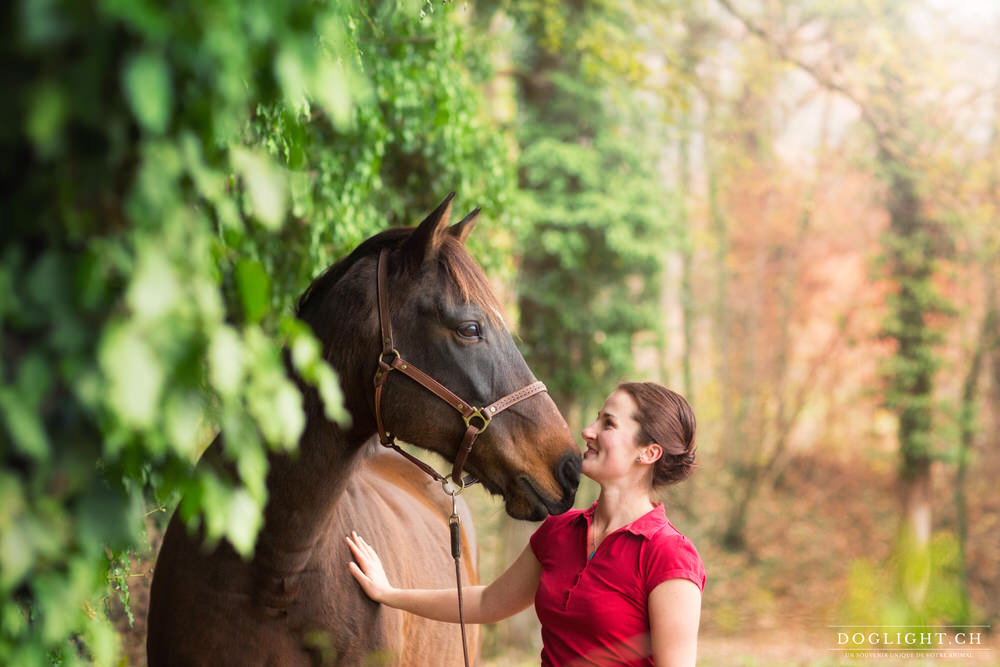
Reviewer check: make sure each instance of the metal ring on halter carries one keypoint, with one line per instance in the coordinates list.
(383, 367)
(393, 351)
(456, 489)
(477, 412)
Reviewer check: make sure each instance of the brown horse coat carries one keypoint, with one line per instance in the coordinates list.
(402, 513)
(295, 602)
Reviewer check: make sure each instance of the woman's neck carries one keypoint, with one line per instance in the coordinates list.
(619, 506)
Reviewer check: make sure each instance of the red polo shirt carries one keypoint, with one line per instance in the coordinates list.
(594, 611)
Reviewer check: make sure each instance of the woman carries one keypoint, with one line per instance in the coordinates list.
(612, 584)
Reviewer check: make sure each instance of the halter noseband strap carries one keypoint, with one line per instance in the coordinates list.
(476, 419)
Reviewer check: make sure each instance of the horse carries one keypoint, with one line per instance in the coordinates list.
(294, 602)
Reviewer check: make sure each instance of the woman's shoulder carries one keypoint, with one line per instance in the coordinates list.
(656, 526)
(671, 538)
(670, 554)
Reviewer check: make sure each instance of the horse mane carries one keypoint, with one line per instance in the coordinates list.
(452, 258)
(321, 285)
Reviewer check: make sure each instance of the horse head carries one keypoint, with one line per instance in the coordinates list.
(445, 321)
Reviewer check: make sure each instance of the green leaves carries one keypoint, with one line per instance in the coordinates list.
(134, 376)
(254, 287)
(309, 363)
(266, 186)
(271, 398)
(192, 169)
(245, 516)
(46, 117)
(20, 406)
(16, 533)
(226, 361)
(146, 80)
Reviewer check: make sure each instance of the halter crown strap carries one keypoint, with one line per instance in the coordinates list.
(476, 419)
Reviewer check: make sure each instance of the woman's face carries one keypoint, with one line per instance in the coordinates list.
(611, 440)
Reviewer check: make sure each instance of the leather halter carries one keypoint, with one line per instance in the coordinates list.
(476, 419)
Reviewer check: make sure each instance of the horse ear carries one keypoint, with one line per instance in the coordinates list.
(461, 229)
(423, 244)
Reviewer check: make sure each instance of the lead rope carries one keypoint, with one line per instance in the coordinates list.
(455, 525)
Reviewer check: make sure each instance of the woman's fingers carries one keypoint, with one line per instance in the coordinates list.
(367, 560)
(358, 544)
(358, 574)
(364, 545)
(366, 584)
(366, 566)
(360, 554)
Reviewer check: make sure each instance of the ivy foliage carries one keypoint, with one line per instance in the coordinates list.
(173, 177)
(599, 218)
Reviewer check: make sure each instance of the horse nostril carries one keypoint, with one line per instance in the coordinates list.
(568, 472)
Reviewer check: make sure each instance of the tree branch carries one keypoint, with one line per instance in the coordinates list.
(824, 78)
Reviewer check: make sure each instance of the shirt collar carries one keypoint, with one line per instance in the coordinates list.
(645, 526)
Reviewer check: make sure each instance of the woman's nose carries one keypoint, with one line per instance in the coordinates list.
(588, 432)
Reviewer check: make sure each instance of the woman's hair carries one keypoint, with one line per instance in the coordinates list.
(667, 419)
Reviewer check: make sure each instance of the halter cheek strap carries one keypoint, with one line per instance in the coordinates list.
(476, 419)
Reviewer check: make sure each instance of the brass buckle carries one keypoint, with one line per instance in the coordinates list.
(477, 413)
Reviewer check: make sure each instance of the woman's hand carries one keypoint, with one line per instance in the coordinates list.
(512, 592)
(368, 568)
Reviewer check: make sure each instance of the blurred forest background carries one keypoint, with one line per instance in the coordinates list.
(785, 210)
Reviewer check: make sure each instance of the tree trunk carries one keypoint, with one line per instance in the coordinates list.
(911, 253)
(733, 535)
(968, 431)
(686, 251)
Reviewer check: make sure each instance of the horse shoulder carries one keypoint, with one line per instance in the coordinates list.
(405, 518)
(412, 493)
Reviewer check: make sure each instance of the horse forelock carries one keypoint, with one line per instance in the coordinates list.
(469, 280)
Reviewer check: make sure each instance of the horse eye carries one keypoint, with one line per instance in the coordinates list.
(469, 330)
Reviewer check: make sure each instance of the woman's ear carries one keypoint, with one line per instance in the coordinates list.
(651, 453)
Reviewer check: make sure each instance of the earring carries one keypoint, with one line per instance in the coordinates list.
(638, 459)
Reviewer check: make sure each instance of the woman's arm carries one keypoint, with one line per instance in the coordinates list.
(674, 612)
(513, 591)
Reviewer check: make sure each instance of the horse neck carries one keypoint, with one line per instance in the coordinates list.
(303, 488)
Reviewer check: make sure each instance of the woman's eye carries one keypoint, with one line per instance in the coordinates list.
(469, 330)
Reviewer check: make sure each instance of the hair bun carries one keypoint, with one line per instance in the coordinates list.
(666, 418)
